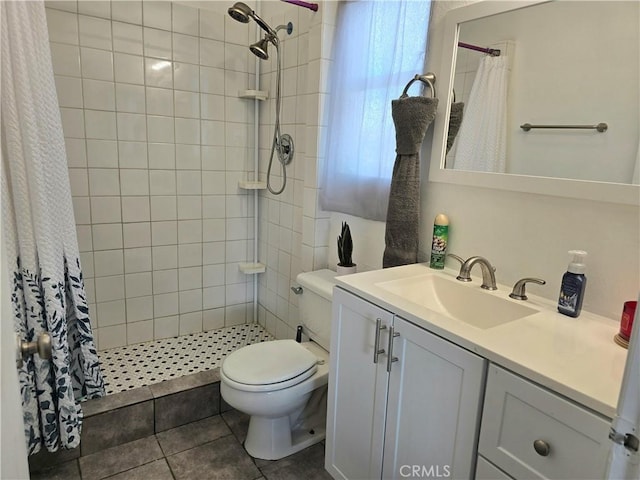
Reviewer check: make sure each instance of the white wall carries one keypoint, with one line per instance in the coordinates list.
(529, 235)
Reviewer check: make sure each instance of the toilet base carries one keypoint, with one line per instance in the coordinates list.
(272, 438)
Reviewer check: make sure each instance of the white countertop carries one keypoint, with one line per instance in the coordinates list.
(575, 357)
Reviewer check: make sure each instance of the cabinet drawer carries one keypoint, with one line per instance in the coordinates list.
(488, 471)
(518, 413)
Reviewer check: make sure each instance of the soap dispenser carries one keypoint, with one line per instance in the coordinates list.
(573, 285)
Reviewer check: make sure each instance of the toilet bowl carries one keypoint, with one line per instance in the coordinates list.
(282, 384)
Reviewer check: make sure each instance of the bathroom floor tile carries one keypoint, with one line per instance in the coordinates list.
(307, 464)
(157, 470)
(223, 458)
(120, 459)
(192, 435)
(238, 422)
(148, 363)
(64, 471)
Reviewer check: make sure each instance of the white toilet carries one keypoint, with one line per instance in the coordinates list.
(282, 384)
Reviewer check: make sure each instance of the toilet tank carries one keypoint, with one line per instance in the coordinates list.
(315, 304)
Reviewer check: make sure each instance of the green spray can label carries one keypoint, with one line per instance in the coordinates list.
(439, 242)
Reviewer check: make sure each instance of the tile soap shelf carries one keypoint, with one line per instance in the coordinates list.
(252, 185)
(252, 268)
(254, 94)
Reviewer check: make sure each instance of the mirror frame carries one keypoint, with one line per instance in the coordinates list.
(561, 187)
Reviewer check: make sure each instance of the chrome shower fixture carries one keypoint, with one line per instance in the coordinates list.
(243, 12)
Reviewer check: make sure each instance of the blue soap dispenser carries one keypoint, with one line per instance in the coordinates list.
(573, 285)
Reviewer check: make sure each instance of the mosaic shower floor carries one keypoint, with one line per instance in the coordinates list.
(143, 364)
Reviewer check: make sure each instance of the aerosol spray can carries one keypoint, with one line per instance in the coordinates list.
(439, 242)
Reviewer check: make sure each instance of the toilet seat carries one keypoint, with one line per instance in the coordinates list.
(268, 366)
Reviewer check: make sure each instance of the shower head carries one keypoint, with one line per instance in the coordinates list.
(240, 12)
(259, 49)
(243, 12)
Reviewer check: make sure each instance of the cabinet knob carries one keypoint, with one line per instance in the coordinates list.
(542, 448)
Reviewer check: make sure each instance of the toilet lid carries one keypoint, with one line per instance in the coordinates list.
(269, 363)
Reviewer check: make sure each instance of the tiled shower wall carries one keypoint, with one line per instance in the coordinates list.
(157, 140)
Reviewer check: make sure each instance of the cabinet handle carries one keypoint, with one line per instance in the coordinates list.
(376, 344)
(542, 448)
(390, 357)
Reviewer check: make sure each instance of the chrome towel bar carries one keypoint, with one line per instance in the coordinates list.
(600, 127)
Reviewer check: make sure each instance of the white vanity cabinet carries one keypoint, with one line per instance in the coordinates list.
(531, 432)
(415, 415)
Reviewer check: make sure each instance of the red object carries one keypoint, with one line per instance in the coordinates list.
(626, 323)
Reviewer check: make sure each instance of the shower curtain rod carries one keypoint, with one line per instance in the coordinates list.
(300, 3)
(491, 51)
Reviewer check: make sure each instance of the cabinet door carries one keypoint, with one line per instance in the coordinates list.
(433, 411)
(357, 389)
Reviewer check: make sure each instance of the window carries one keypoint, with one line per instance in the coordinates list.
(379, 47)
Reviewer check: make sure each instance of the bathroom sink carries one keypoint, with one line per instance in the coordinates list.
(463, 302)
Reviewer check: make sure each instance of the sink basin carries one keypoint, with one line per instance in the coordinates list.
(459, 301)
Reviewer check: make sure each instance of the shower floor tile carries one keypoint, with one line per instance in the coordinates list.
(143, 364)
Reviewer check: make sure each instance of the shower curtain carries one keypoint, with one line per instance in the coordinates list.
(39, 237)
(482, 144)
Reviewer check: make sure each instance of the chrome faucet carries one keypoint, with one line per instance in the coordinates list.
(518, 291)
(488, 277)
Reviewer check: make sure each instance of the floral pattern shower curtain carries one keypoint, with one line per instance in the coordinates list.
(39, 237)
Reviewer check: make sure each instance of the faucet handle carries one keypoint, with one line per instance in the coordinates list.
(518, 291)
(456, 257)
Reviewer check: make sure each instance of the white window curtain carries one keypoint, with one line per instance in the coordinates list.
(379, 47)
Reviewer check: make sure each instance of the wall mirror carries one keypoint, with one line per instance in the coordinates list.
(566, 64)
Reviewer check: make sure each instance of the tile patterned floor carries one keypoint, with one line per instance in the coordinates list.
(152, 362)
(207, 449)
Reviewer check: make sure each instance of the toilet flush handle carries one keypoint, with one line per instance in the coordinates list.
(297, 290)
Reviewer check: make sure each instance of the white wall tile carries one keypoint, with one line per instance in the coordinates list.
(162, 182)
(190, 323)
(212, 80)
(129, 68)
(213, 297)
(237, 228)
(115, 336)
(135, 209)
(85, 240)
(190, 255)
(127, 38)
(136, 235)
(134, 182)
(76, 152)
(235, 315)
(138, 332)
(137, 260)
(105, 210)
(185, 48)
(163, 208)
(159, 101)
(189, 207)
(95, 32)
(138, 284)
(79, 181)
(107, 236)
(139, 308)
(129, 11)
(69, 90)
(130, 98)
(157, 14)
(111, 313)
(212, 252)
(157, 43)
(187, 131)
(187, 104)
(235, 32)
(132, 126)
(65, 59)
(160, 129)
(213, 157)
(98, 8)
(166, 327)
(132, 154)
(164, 233)
(102, 153)
(109, 288)
(237, 57)
(190, 300)
(189, 231)
(212, 107)
(190, 278)
(213, 230)
(212, 24)
(97, 64)
(72, 122)
(187, 157)
(186, 76)
(213, 132)
(185, 19)
(108, 263)
(81, 210)
(100, 124)
(212, 319)
(213, 275)
(188, 182)
(104, 182)
(212, 53)
(213, 206)
(62, 26)
(99, 95)
(162, 156)
(165, 281)
(165, 257)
